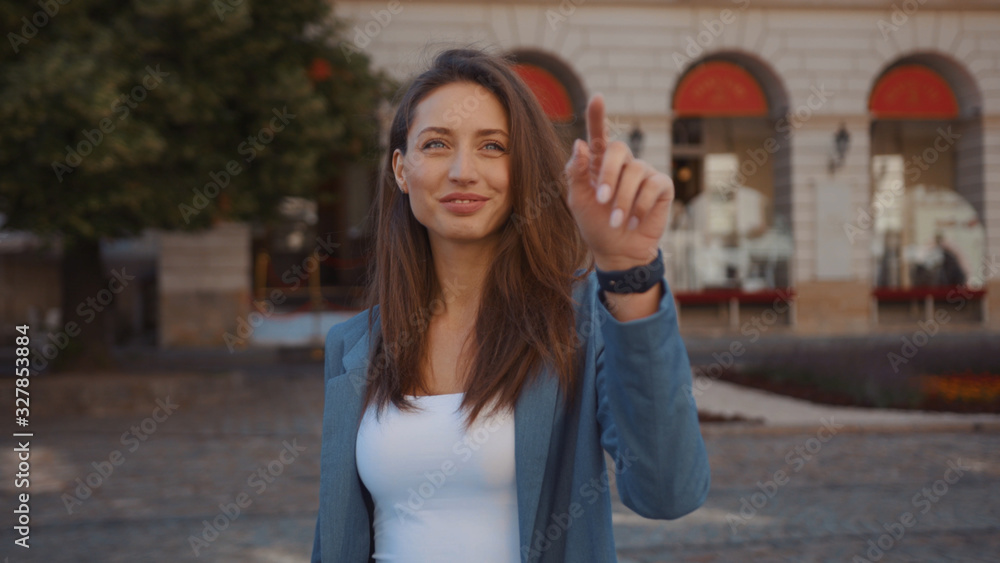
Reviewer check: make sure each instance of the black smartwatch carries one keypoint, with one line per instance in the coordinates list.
(639, 279)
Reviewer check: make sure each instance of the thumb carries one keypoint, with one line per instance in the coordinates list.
(578, 167)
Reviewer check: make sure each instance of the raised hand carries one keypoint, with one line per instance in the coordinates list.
(620, 204)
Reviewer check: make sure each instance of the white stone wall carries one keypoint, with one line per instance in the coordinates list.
(635, 54)
(214, 260)
(991, 161)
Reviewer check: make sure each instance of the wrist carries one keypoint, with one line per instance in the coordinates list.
(626, 307)
(621, 263)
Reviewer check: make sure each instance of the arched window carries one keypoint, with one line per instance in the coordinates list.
(719, 89)
(927, 190)
(730, 234)
(551, 93)
(558, 89)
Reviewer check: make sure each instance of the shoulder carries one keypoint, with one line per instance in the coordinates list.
(585, 290)
(351, 329)
(342, 337)
(587, 305)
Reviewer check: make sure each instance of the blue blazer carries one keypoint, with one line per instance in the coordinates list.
(635, 402)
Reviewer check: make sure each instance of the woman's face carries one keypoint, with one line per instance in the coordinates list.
(457, 148)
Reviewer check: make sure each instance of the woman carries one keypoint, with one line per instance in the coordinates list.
(467, 413)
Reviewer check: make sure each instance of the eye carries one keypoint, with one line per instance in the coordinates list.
(493, 145)
(434, 144)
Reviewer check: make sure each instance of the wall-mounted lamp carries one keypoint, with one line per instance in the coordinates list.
(635, 139)
(684, 174)
(841, 142)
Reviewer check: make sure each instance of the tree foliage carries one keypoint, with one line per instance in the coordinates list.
(169, 114)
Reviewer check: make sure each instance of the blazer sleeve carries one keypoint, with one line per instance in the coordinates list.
(646, 411)
(317, 552)
(333, 351)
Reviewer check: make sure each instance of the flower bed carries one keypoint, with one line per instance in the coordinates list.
(971, 390)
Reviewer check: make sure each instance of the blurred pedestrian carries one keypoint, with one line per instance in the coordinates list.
(949, 267)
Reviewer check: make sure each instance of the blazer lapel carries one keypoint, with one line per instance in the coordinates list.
(355, 360)
(533, 416)
(344, 502)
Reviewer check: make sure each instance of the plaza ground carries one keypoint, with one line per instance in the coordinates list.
(784, 490)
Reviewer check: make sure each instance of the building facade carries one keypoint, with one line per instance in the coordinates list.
(837, 168)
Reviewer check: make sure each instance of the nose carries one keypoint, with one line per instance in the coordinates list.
(463, 168)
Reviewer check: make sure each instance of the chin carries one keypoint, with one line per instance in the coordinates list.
(469, 234)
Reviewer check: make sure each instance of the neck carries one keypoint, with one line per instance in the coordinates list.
(461, 270)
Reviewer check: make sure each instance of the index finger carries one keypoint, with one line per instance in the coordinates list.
(596, 134)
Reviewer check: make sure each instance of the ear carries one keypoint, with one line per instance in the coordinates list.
(397, 168)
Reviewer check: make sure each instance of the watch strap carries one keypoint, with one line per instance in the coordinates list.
(634, 280)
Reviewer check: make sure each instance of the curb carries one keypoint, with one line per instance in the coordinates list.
(735, 428)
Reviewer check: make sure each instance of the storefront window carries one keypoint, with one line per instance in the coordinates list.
(928, 237)
(730, 234)
(723, 236)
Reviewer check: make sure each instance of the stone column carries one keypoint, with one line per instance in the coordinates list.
(204, 285)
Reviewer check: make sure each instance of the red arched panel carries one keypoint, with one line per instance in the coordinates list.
(549, 91)
(912, 91)
(719, 89)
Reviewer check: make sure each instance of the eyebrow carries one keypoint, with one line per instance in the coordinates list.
(446, 131)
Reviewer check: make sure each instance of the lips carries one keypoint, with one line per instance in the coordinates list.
(466, 208)
(463, 203)
(462, 197)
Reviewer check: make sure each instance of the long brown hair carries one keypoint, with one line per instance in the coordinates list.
(526, 313)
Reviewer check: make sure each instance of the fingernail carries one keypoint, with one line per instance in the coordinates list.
(617, 216)
(604, 193)
(633, 223)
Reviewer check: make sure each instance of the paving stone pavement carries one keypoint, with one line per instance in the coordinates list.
(806, 494)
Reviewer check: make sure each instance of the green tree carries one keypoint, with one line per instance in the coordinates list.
(169, 114)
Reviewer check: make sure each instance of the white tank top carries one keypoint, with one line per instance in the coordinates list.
(441, 495)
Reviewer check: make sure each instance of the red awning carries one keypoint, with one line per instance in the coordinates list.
(935, 292)
(549, 91)
(719, 89)
(912, 91)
